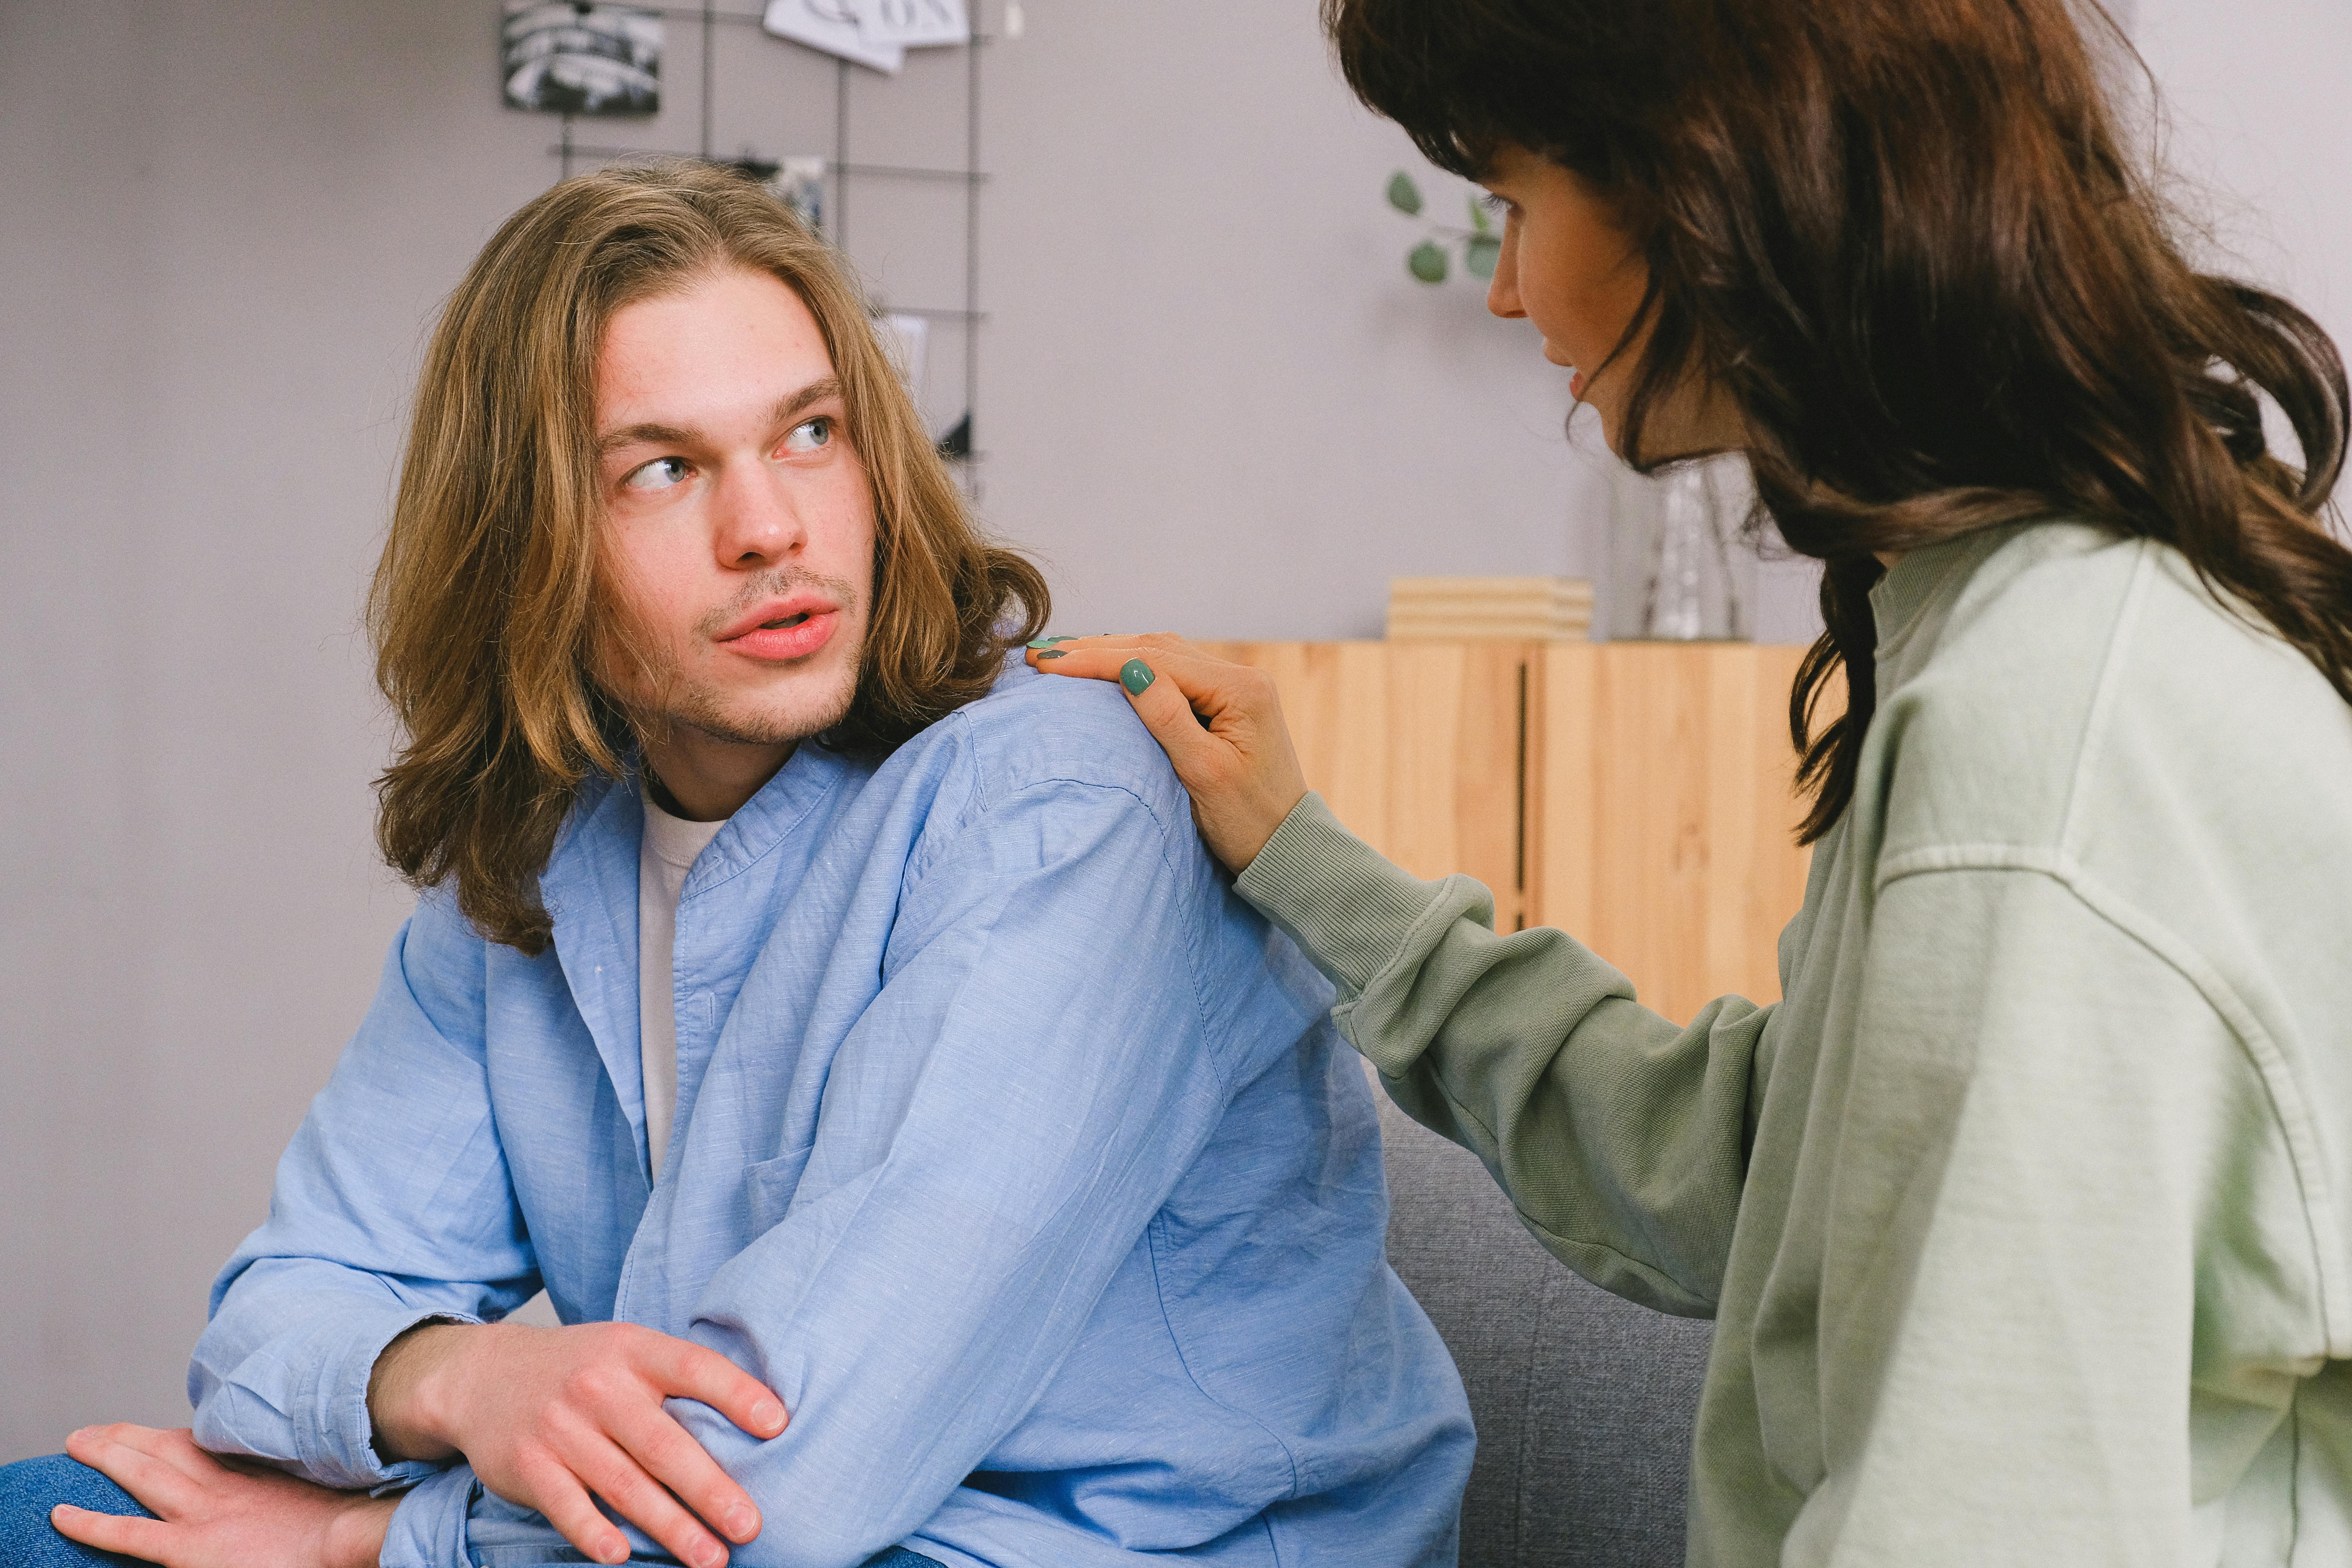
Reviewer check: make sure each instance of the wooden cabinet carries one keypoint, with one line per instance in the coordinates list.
(1635, 794)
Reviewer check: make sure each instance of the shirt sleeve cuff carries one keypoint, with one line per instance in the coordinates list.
(1349, 908)
(337, 1436)
(428, 1528)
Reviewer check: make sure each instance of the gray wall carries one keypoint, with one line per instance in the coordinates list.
(1212, 398)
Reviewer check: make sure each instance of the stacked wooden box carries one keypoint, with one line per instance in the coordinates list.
(1488, 609)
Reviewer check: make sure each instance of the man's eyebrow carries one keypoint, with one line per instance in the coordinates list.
(646, 435)
(816, 391)
(672, 435)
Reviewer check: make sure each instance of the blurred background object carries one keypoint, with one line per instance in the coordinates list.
(1683, 566)
(1481, 243)
(569, 58)
(1478, 609)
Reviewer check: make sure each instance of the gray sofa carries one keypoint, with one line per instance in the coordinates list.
(1583, 1401)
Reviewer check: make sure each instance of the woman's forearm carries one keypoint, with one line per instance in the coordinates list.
(1619, 1136)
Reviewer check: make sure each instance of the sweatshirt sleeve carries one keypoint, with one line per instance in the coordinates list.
(1039, 1058)
(392, 1207)
(1621, 1137)
(2062, 1185)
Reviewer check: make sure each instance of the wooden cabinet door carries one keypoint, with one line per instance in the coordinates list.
(1638, 795)
(1662, 788)
(1418, 747)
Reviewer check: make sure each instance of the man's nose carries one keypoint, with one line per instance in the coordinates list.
(755, 520)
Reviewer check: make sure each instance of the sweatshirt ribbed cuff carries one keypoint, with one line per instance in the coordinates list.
(1349, 908)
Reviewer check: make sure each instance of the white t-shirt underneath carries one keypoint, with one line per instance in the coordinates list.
(664, 857)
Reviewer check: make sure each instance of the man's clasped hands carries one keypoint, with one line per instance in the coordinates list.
(551, 1419)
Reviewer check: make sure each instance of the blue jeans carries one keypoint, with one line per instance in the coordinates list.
(29, 1488)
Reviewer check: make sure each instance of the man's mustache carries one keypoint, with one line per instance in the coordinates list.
(776, 583)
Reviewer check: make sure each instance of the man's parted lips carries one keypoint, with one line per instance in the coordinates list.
(790, 610)
(787, 600)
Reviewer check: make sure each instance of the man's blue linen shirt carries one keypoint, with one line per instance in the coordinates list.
(1012, 1151)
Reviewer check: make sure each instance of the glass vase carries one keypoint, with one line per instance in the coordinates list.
(1679, 570)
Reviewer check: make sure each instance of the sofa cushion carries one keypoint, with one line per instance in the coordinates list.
(1584, 1401)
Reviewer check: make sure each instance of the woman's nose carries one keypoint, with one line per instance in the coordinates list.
(1503, 290)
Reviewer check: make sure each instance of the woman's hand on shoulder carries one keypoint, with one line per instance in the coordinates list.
(1220, 723)
(217, 1514)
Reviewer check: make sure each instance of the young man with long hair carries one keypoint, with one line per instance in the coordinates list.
(740, 1013)
(2023, 1214)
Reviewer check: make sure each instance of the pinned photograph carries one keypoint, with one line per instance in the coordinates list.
(572, 59)
(835, 27)
(798, 184)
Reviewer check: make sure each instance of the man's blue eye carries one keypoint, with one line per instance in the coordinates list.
(810, 435)
(658, 475)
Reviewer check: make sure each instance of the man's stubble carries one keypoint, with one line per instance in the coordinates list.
(680, 700)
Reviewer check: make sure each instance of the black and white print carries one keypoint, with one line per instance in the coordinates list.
(571, 58)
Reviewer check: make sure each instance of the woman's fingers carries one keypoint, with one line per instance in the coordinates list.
(1220, 723)
(148, 1540)
(1179, 700)
(1159, 681)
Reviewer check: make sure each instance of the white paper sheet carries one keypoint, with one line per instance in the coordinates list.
(914, 24)
(832, 26)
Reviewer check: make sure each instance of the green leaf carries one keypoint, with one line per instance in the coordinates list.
(1480, 253)
(1427, 263)
(1403, 195)
(1478, 218)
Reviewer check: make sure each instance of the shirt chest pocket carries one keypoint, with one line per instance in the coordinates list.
(769, 1187)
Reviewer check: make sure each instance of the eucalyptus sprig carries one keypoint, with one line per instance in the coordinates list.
(1482, 247)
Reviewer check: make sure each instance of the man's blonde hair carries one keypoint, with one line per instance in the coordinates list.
(489, 604)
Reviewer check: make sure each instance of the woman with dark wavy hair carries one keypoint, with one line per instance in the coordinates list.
(2020, 1216)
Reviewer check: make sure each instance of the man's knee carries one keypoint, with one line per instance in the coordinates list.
(30, 1488)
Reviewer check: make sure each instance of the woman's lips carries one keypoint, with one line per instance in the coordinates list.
(776, 644)
(1576, 386)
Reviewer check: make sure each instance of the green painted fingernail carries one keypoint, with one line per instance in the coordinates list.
(1136, 676)
(1057, 653)
(1046, 642)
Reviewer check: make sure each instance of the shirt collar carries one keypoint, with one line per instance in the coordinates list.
(769, 818)
(1905, 600)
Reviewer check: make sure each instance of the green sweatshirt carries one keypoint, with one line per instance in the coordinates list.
(2022, 1218)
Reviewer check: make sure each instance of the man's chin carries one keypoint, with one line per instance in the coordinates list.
(783, 719)
(761, 730)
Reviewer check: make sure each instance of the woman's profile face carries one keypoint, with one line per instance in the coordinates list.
(1571, 267)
